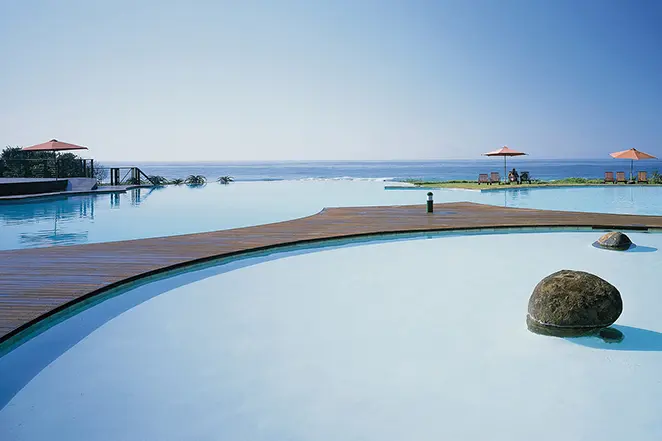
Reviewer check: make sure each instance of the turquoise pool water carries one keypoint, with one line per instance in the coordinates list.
(384, 341)
(178, 210)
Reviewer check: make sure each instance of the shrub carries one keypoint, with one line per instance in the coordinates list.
(195, 180)
(176, 181)
(100, 173)
(158, 180)
(225, 180)
(577, 181)
(18, 163)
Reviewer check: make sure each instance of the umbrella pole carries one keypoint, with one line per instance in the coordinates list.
(631, 169)
(505, 176)
(57, 174)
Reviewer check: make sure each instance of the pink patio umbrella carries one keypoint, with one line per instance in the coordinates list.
(505, 152)
(632, 155)
(53, 146)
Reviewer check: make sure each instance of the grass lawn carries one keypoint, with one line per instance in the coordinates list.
(473, 185)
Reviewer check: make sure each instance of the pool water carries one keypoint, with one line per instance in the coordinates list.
(179, 210)
(414, 339)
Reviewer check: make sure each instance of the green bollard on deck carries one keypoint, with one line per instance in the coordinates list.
(430, 202)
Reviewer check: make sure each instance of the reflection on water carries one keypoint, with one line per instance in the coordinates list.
(62, 209)
(50, 238)
(515, 197)
(50, 224)
(114, 200)
(138, 195)
(61, 221)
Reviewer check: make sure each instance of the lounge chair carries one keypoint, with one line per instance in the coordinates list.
(609, 177)
(620, 177)
(525, 176)
(495, 178)
(642, 176)
(483, 179)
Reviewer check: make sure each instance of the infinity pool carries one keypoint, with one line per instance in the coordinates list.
(178, 210)
(389, 340)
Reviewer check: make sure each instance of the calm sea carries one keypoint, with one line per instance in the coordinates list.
(389, 170)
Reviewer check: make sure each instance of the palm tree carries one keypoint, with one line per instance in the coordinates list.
(195, 180)
(225, 180)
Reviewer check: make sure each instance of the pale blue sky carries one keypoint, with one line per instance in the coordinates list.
(204, 80)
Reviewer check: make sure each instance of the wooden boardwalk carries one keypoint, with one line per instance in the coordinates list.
(35, 283)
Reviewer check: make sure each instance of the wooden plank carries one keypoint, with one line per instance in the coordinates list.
(37, 282)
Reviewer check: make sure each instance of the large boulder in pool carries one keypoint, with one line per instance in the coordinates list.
(614, 241)
(573, 303)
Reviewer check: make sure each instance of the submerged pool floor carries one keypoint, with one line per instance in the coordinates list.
(419, 339)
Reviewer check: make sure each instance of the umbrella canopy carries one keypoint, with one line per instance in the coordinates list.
(632, 155)
(53, 146)
(504, 151)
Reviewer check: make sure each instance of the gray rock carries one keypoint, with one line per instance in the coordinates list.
(573, 303)
(614, 241)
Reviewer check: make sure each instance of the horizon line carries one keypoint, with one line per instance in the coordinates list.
(188, 161)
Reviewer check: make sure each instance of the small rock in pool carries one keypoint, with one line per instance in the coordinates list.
(572, 304)
(614, 241)
(611, 335)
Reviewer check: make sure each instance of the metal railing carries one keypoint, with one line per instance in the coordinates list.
(46, 168)
(79, 168)
(128, 176)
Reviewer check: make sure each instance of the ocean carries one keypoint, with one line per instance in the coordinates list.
(388, 170)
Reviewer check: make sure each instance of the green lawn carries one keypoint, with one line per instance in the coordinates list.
(473, 185)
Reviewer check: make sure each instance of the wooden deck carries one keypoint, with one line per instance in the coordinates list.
(35, 283)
